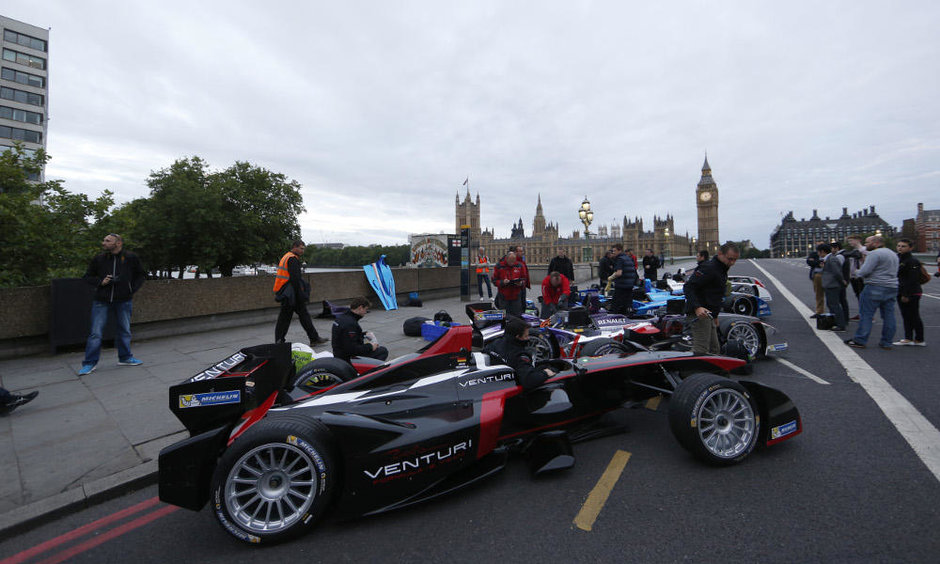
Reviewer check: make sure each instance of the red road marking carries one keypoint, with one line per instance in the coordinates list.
(79, 532)
(113, 533)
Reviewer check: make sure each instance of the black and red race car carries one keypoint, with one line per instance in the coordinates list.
(273, 451)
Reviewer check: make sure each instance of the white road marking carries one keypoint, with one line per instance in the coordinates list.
(923, 437)
(932, 296)
(799, 370)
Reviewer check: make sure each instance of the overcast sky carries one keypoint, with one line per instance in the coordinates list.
(382, 109)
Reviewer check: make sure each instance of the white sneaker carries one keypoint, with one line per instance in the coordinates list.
(919, 343)
(903, 343)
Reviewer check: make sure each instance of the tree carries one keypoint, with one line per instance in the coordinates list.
(259, 211)
(47, 232)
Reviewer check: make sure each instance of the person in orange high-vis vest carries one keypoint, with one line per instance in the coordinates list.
(483, 273)
(293, 293)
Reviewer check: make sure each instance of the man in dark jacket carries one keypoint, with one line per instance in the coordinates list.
(909, 293)
(605, 267)
(624, 278)
(562, 264)
(116, 275)
(834, 283)
(650, 266)
(704, 294)
(348, 338)
(511, 347)
(293, 292)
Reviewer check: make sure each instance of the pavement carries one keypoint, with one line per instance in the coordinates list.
(90, 438)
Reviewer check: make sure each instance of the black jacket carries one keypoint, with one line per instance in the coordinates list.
(348, 338)
(650, 264)
(515, 355)
(296, 286)
(908, 275)
(605, 268)
(127, 276)
(706, 286)
(628, 276)
(564, 266)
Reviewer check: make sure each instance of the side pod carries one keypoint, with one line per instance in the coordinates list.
(780, 417)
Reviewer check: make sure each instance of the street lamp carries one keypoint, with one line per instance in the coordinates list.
(586, 215)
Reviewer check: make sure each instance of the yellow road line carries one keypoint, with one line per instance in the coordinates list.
(653, 403)
(585, 518)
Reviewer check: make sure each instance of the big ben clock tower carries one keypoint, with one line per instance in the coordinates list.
(706, 200)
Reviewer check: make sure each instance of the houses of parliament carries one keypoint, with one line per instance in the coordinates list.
(544, 241)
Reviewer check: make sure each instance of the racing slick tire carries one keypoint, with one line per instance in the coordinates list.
(744, 306)
(275, 481)
(749, 336)
(322, 373)
(601, 347)
(542, 347)
(714, 418)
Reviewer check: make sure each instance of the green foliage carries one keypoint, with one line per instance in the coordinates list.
(46, 230)
(357, 256)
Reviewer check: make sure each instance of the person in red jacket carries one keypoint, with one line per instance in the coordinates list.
(509, 277)
(556, 290)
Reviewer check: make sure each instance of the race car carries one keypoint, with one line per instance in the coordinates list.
(274, 451)
(575, 332)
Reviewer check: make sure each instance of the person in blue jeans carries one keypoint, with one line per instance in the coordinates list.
(116, 275)
(880, 273)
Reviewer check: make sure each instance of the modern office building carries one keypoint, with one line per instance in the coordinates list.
(794, 238)
(24, 85)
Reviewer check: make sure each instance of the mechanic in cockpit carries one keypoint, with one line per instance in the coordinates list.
(511, 347)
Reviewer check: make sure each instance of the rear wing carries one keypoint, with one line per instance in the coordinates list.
(219, 394)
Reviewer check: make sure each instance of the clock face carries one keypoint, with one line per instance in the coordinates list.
(705, 196)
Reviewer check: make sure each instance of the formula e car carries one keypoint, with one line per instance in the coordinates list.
(574, 333)
(274, 451)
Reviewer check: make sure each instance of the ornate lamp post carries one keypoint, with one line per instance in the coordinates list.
(586, 215)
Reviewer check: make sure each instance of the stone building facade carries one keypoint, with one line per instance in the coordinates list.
(544, 240)
(794, 238)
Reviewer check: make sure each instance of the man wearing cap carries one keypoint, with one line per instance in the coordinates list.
(511, 347)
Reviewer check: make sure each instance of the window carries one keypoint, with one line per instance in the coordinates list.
(24, 59)
(18, 134)
(23, 78)
(21, 96)
(24, 40)
(20, 115)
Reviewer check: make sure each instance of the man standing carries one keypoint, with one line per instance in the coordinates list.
(650, 264)
(605, 267)
(833, 283)
(562, 264)
(293, 292)
(624, 279)
(880, 273)
(348, 337)
(846, 269)
(520, 257)
(815, 276)
(856, 257)
(116, 275)
(909, 293)
(509, 278)
(556, 291)
(483, 273)
(704, 293)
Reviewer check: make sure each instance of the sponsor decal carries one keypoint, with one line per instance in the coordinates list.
(235, 530)
(783, 430)
(778, 347)
(317, 459)
(486, 380)
(220, 368)
(210, 398)
(419, 462)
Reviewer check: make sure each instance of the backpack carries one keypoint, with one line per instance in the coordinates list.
(412, 326)
(443, 316)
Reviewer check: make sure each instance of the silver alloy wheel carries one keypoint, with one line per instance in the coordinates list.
(747, 334)
(271, 487)
(540, 348)
(726, 423)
